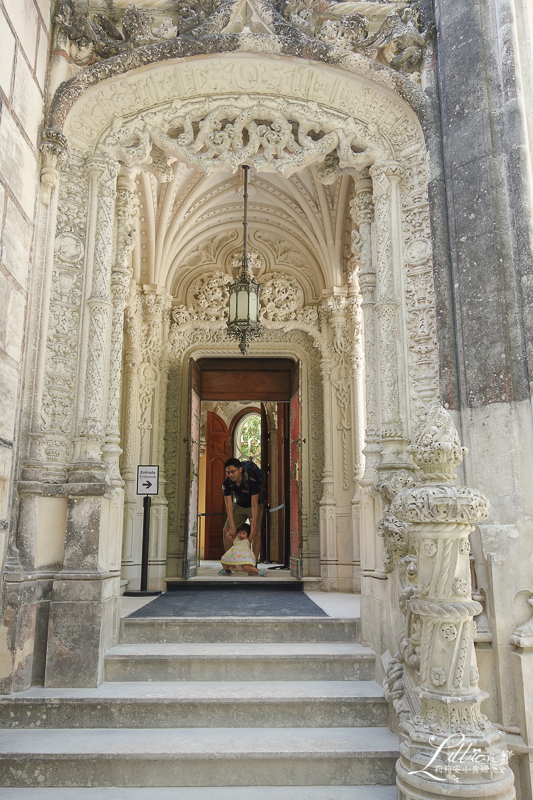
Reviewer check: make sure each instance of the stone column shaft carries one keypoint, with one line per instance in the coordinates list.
(103, 174)
(120, 278)
(385, 180)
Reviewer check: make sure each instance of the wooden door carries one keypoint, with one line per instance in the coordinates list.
(190, 555)
(265, 466)
(295, 494)
(217, 450)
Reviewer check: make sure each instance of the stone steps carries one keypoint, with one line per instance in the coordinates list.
(197, 757)
(211, 707)
(238, 630)
(237, 662)
(209, 793)
(199, 704)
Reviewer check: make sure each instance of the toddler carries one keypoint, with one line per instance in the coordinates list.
(240, 557)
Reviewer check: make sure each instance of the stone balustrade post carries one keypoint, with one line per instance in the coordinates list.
(447, 741)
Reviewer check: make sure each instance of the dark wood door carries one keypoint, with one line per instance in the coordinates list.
(265, 466)
(295, 434)
(217, 450)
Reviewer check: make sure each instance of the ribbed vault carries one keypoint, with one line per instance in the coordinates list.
(194, 223)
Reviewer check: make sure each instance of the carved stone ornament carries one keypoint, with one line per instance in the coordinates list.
(441, 699)
(96, 38)
(282, 303)
(436, 449)
(395, 39)
(523, 635)
(272, 135)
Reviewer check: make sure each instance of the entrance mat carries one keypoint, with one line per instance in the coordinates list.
(260, 601)
(237, 585)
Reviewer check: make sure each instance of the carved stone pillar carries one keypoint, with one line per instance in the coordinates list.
(358, 374)
(328, 503)
(363, 213)
(147, 365)
(386, 197)
(126, 209)
(103, 175)
(131, 383)
(445, 734)
(84, 615)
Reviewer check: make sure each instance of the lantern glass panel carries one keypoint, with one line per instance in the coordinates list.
(242, 304)
(253, 306)
(232, 306)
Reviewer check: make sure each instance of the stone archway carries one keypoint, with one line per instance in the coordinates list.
(281, 115)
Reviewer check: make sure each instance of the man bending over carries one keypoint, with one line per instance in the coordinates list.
(241, 494)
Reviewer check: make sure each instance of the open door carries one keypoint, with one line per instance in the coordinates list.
(295, 492)
(190, 556)
(217, 449)
(265, 466)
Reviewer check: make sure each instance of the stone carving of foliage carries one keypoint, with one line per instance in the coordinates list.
(61, 368)
(271, 135)
(436, 449)
(97, 37)
(210, 296)
(281, 297)
(399, 42)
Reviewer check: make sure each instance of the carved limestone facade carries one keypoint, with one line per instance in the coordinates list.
(151, 117)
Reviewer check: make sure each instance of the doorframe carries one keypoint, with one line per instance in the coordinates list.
(294, 345)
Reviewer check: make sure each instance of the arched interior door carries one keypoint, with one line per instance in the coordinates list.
(217, 449)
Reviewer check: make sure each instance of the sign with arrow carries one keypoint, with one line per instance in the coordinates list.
(147, 480)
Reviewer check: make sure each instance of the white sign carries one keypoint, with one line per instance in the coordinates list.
(147, 480)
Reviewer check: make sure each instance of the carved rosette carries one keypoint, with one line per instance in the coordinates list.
(432, 523)
(103, 174)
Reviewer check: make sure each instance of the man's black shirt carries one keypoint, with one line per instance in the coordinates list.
(242, 494)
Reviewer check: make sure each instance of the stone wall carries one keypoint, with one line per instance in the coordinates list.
(25, 38)
(482, 202)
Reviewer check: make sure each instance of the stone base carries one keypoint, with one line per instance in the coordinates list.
(83, 624)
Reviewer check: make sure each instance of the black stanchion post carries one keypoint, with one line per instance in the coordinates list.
(147, 504)
(147, 485)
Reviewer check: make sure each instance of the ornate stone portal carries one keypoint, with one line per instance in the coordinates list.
(367, 338)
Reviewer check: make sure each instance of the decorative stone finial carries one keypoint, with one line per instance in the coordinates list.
(437, 449)
(54, 151)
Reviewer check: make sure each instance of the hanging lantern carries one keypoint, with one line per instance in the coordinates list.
(244, 292)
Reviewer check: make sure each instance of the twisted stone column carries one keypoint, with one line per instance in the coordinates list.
(362, 211)
(447, 742)
(103, 178)
(126, 210)
(131, 385)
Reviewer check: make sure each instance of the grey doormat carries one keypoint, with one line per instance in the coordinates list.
(255, 601)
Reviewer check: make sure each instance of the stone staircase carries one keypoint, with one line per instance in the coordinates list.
(220, 708)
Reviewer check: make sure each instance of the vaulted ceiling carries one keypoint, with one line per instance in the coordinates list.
(193, 225)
